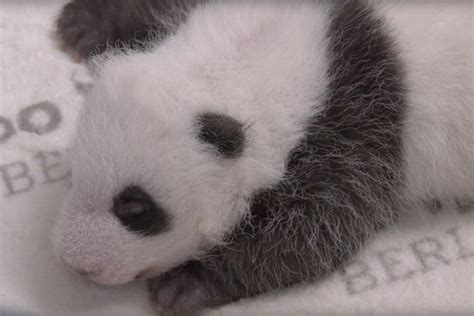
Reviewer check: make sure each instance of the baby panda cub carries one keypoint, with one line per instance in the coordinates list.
(233, 148)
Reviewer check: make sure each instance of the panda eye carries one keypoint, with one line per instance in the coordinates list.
(225, 133)
(138, 212)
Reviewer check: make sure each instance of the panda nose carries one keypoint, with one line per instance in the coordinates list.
(79, 268)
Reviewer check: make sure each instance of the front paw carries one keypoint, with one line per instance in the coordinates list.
(178, 292)
(81, 31)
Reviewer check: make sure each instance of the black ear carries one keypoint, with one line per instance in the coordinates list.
(225, 133)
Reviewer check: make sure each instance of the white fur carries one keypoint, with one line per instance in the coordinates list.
(261, 63)
(264, 64)
(437, 45)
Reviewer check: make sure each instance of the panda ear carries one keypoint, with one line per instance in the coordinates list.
(223, 132)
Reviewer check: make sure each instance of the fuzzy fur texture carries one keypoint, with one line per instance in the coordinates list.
(199, 70)
(89, 27)
(438, 142)
(340, 115)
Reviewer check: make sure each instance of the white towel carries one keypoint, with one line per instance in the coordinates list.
(423, 265)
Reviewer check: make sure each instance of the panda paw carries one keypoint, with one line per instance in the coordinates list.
(80, 30)
(177, 293)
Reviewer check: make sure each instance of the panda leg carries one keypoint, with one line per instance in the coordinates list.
(87, 27)
(188, 289)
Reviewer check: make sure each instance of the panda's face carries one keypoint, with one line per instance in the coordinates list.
(147, 194)
(154, 182)
(172, 144)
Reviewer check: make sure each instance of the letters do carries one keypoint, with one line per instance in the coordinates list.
(40, 118)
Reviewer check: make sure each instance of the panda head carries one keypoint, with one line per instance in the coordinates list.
(152, 186)
(173, 142)
(161, 171)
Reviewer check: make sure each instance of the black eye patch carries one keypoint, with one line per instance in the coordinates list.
(139, 213)
(225, 133)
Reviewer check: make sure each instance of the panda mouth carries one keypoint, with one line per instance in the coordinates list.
(85, 274)
(147, 274)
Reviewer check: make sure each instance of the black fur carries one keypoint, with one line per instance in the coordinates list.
(223, 132)
(89, 27)
(341, 183)
(433, 205)
(139, 213)
(464, 205)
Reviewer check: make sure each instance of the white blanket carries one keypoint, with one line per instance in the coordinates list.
(424, 265)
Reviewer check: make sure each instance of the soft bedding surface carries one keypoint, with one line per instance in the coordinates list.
(422, 266)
